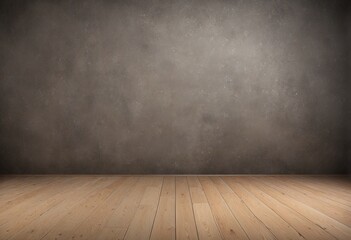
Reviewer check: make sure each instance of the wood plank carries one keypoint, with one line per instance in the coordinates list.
(274, 222)
(19, 183)
(164, 225)
(92, 227)
(321, 192)
(335, 212)
(185, 221)
(10, 180)
(206, 225)
(141, 226)
(254, 228)
(31, 214)
(196, 192)
(65, 227)
(41, 226)
(341, 185)
(111, 234)
(330, 185)
(228, 225)
(205, 222)
(303, 225)
(34, 194)
(123, 214)
(315, 195)
(22, 186)
(338, 230)
(193, 182)
(32, 200)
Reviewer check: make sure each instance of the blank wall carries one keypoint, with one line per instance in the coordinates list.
(173, 86)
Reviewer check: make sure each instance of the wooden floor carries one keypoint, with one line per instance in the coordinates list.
(175, 207)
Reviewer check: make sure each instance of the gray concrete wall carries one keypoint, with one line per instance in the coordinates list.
(349, 86)
(167, 86)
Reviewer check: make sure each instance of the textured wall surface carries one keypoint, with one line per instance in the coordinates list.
(166, 86)
(349, 85)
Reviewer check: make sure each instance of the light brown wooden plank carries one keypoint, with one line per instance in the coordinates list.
(290, 183)
(66, 226)
(193, 182)
(274, 222)
(322, 193)
(35, 194)
(254, 228)
(111, 234)
(300, 223)
(339, 185)
(14, 223)
(27, 202)
(333, 211)
(92, 227)
(228, 225)
(196, 192)
(21, 186)
(42, 225)
(164, 225)
(122, 214)
(335, 228)
(141, 225)
(206, 226)
(185, 221)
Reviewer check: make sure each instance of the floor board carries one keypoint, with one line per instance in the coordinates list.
(175, 207)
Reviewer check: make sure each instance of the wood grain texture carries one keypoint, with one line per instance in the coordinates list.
(174, 207)
(164, 225)
(185, 221)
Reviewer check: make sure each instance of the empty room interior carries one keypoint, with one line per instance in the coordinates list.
(175, 119)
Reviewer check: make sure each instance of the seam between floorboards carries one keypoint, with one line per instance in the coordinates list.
(157, 207)
(273, 211)
(192, 206)
(308, 206)
(258, 219)
(230, 211)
